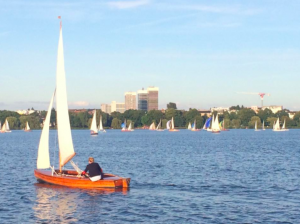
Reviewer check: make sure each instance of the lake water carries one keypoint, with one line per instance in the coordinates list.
(239, 176)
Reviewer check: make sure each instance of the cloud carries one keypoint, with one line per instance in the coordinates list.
(128, 4)
(79, 104)
(210, 8)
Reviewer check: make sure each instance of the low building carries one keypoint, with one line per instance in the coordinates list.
(25, 112)
(220, 110)
(205, 112)
(274, 109)
(118, 107)
(106, 108)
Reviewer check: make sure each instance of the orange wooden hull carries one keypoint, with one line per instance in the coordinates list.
(69, 179)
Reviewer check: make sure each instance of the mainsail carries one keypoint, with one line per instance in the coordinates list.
(158, 126)
(94, 125)
(100, 125)
(66, 148)
(6, 126)
(27, 128)
(172, 123)
(215, 124)
(189, 126)
(169, 124)
(43, 160)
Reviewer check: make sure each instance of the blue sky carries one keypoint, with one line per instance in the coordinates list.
(199, 53)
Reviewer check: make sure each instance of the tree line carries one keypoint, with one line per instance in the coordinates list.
(242, 118)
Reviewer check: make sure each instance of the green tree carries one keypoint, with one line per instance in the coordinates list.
(145, 120)
(236, 123)
(271, 121)
(171, 106)
(264, 114)
(164, 123)
(245, 116)
(116, 123)
(296, 119)
(254, 119)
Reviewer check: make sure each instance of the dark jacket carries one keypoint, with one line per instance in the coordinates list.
(94, 170)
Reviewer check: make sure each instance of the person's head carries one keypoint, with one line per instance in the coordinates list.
(91, 159)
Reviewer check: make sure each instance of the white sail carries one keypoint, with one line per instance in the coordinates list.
(255, 125)
(94, 125)
(152, 126)
(27, 126)
(158, 126)
(129, 127)
(172, 123)
(100, 125)
(263, 126)
(194, 128)
(189, 126)
(6, 126)
(43, 160)
(283, 126)
(215, 124)
(169, 124)
(66, 148)
(277, 125)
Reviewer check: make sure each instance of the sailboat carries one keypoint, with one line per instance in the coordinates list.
(171, 126)
(215, 125)
(189, 126)
(124, 127)
(130, 127)
(5, 127)
(263, 126)
(101, 129)
(94, 129)
(283, 126)
(255, 128)
(27, 128)
(69, 178)
(194, 127)
(206, 126)
(158, 127)
(276, 126)
(222, 126)
(152, 126)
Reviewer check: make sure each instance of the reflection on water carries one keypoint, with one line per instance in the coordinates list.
(59, 204)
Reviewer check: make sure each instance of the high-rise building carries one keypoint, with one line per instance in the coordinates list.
(142, 99)
(119, 107)
(130, 101)
(152, 98)
(106, 108)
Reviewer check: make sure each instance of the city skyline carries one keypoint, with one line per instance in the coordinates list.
(200, 54)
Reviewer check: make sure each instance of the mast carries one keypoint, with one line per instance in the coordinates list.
(66, 148)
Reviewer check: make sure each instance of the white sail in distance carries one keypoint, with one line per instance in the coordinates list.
(66, 148)
(43, 160)
(6, 126)
(100, 125)
(169, 124)
(94, 125)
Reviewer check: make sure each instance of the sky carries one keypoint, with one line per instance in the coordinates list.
(199, 53)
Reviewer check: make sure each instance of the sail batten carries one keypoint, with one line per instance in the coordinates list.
(66, 148)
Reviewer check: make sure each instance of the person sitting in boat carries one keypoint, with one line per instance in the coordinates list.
(94, 170)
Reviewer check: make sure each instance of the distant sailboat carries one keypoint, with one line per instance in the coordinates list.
(276, 126)
(255, 128)
(5, 127)
(263, 126)
(130, 127)
(152, 127)
(101, 129)
(158, 128)
(194, 128)
(124, 127)
(215, 125)
(94, 129)
(207, 124)
(172, 127)
(283, 126)
(189, 126)
(222, 126)
(68, 178)
(27, 128)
